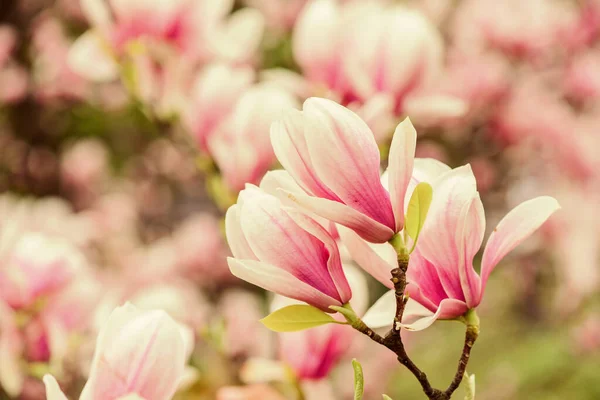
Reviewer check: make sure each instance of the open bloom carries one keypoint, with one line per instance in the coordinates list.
(333, 156)
(442, 283)
(284, 251)
(138, 353)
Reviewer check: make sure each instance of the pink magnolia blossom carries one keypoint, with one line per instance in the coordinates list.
(284, 251)
(397, 51)
(53, 77)
(138, 353)
(526, 30)
(242, 148)
(442, 281)
(37, 267)
(241, 311)
(194, 30)
(332, 154)
(213, 98)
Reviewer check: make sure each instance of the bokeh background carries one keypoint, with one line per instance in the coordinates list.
(127, 127)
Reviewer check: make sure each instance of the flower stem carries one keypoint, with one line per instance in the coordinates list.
(472, 322)
(393, 340)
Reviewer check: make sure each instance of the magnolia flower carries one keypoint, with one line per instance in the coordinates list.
(213, 98)
(284, 251)
(37, 267)
(139, 355)
(442, 283)
(194, 30)
(333, 156)
(242, 148)
(397, 51)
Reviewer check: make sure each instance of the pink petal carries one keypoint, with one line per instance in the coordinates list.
(277, 239)
(53, 391)
(235, 236)
(514, 228)
(240, 36)
(277, 280)
(376, 259)
(441, 241)
(346, 158)
(424, 283)
(366, 227)
(469, 238)
(417, 317)
(400, 169)
(136, 351)
(334, 263)
(289, 145)
(316, 56)
(382, 313)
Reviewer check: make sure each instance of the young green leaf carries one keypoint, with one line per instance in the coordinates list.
(470, 388)
(359, 381)
(386, 397)
(417, 210)
(296, 317)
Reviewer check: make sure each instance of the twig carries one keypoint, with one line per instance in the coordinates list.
(393, 340)
(470, 337)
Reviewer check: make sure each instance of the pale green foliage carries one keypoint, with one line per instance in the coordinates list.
(417, 210)
(296, 318)
(359, 381)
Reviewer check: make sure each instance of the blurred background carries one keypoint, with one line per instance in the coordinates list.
(127, 127)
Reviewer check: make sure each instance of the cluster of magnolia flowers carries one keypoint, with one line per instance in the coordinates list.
(507, 89)
(283, 233)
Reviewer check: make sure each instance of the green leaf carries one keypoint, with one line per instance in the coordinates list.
(296, 318)
(386, 397)
(359, 381)
(417, 210)
(470, 389)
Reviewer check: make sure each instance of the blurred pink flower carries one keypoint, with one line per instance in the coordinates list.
(284, 251)
(140, 353)
(527, 30)
(213, 98)
(581, 80)
(242, 147)
(332, 154)
(241, 311)
(14, 83)
(192, 30)
(554, 127)
(313, 353)
(442, 281)
(38, 266)
(401, 52)
(84, 171)
(53, 77)
(397, 51)
(201, 250)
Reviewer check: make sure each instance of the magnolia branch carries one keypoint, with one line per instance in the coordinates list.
(393, 340)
